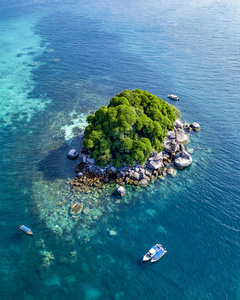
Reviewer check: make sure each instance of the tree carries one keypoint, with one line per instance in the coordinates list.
(128, 128)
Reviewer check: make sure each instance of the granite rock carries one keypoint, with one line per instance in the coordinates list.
(181, 137)
(155, 165)
(120, 191)
(182, 160)
(195, 126)
(143, 182)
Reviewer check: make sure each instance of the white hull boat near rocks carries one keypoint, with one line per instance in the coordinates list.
(173, 97)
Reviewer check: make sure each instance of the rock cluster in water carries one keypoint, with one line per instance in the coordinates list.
(156, 166)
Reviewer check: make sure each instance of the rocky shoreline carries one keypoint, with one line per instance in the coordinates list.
(157, 165)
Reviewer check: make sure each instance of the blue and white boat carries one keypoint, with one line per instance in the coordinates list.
(158, 255)
(152, 252)
(25, 229)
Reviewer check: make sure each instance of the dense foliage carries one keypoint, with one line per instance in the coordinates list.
(125, 131)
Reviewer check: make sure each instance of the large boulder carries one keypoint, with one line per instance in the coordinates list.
(143, 182)
(171, 135)
(181, 136)
(181, 147)
(195, 126)
(144, 176)
(120, 191)
(113, 169)
(155, 165)
(182, 160)
(84, 158)
(134, 175)
(76, 208)
(171, 146)
(171, 171)
(188, 128)
(121, 174)
(90, 160)
(179, 124)
(147, 171)
(157, 157)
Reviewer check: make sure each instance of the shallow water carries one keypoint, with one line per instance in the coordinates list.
(60, 61)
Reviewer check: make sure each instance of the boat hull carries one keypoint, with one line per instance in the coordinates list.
(151, 252)
(156, 257)
(173, 97)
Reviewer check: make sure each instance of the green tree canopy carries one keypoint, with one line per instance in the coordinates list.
(125, 131)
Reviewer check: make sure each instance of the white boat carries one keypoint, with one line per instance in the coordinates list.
(173, 97)
(152, 252)
(158, 255)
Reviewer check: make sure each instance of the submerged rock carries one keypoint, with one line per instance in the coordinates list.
(190, 150)
(183, 159)
(112, 232)
(120, 191)
(86, 210)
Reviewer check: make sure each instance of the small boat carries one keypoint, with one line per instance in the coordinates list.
(25, 229)
(173, 97)
(159, 254)
(152, 252)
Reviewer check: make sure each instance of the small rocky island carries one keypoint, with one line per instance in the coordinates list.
(137, 138)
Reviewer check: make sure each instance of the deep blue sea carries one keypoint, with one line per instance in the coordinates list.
(61, 59)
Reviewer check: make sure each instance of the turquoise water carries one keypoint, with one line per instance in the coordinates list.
(58, 62)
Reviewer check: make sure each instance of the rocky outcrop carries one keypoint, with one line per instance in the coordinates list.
(76, 209)
(120, 191)
(157, 164)
(181, 136)
(182, 160)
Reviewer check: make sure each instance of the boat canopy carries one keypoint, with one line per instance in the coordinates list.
(25, 228)
(155, 248)
(159, 253)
